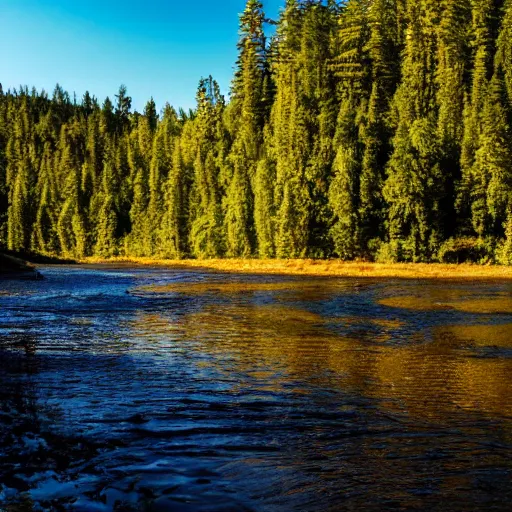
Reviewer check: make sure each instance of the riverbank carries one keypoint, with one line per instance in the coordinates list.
(10, 265)
(332, 268)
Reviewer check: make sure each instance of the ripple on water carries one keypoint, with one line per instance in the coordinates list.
(153, 389)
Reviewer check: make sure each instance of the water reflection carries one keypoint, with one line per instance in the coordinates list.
(142, 389)
(440, 369)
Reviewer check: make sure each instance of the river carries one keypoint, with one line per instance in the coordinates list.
(151, 389)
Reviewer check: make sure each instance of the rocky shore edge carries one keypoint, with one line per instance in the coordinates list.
(15, 268)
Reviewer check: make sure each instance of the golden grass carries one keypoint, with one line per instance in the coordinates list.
(326, 268)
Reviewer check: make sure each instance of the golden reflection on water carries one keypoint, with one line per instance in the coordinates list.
(436, 372)
(446, 300)
(477, 335)
(309, 289)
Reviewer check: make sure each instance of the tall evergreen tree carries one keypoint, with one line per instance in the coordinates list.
(44, 235)
(161, 164)
(176, 208)
(106, 226)
(344, 190)
(122, 113)
(382, 49)
(140, 148)
(71, 224)
(264, 208)
(415, 186)
(4, 128)
(491, 193)
(206, 230)
(20, 176)
(246, 107)
(289, 143)
(483, 18)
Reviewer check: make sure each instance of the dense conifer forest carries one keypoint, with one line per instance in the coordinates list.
(373, 129)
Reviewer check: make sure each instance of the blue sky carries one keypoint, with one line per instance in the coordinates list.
(157, 48)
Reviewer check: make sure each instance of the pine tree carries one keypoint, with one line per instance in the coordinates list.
(289, 143)
(344, 190)
(106, 242)
(317, 95)
(176, 210)
(90, 185)
(382, 53)
(246, 109)
(71, 225)
(206, 238)
(452, 73)
(44, 235)
(151, 115)
(415, 185)
(239, 207)
(206, 219)
(264, 208)
(161, 164)
(504, 52)
(483, 15)
(20, 177)
(107, 119)
(290, 152)
(4, 127)
(140, 148)
(504, 254)
(124, 104)
(491, 193)
(352, 66)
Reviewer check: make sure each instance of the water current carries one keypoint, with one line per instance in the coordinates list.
(150, 389)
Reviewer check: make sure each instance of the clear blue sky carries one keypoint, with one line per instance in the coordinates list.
(156, 48)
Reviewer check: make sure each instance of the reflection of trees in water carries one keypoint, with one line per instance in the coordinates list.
(433, 375)
(389, 390)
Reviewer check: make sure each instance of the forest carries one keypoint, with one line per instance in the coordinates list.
(377, 130)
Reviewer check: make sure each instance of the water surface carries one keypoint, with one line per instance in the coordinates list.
(149, 389)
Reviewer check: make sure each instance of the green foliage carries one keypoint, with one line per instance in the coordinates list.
(264, 208)
(44, 238)
(504, 252)
(415, 185)
(239, 210)
(246, 107)
(491, 191)
(504, 49)
(465, 250)
(344, 189)
(206, 237)
(375, 129)
(176, 210)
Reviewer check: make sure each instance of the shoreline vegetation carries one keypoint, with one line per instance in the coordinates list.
(324, 268)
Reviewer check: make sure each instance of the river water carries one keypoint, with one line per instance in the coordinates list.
(156, 389)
